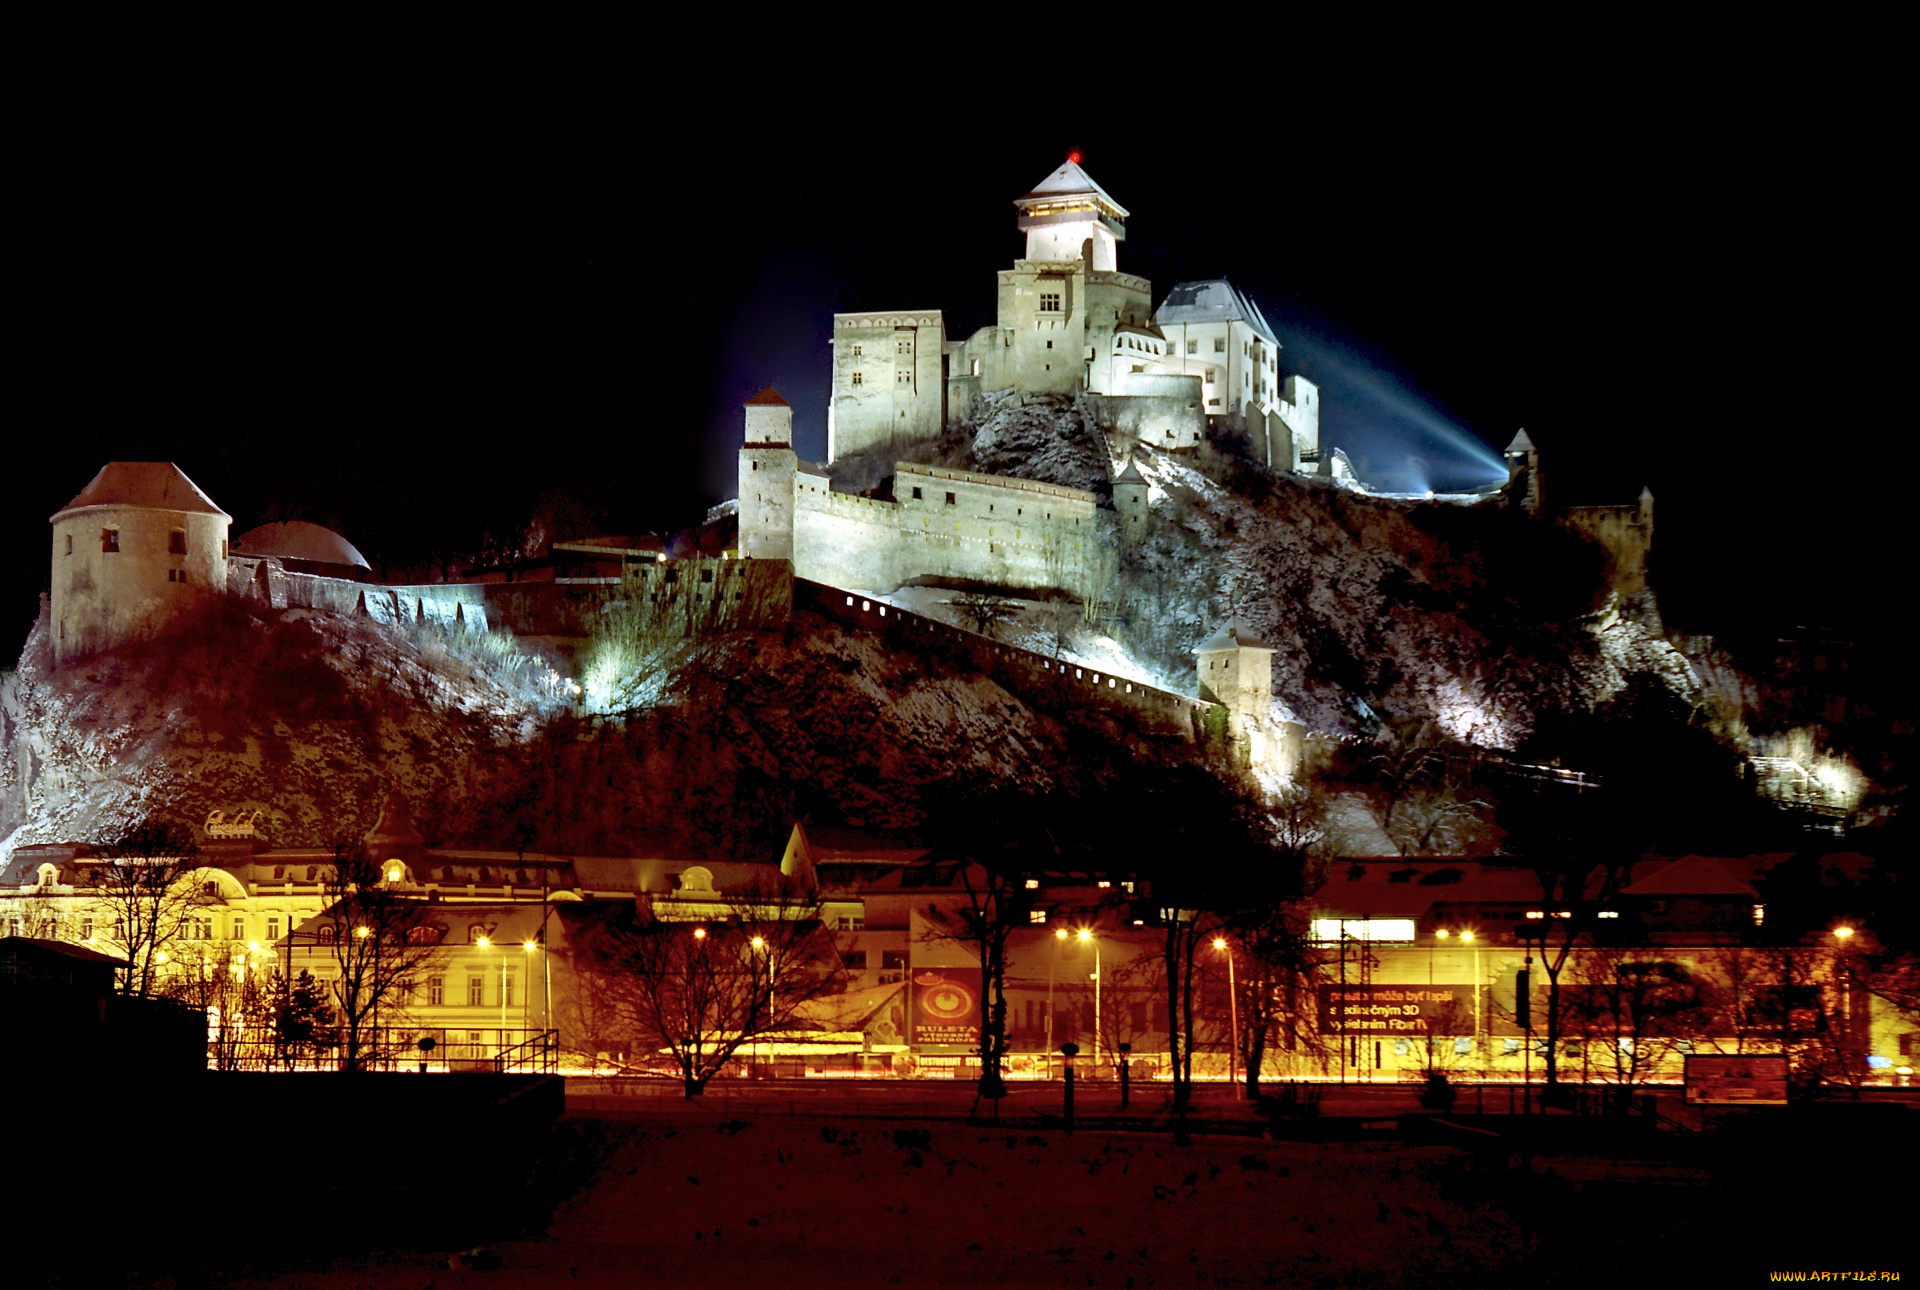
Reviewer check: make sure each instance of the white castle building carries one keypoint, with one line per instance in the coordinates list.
(1069, 322)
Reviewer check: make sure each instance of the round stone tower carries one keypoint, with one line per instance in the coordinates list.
(137, 544)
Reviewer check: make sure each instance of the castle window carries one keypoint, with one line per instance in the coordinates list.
(69, 544)
(1049, 344)
(1049, 302)
(916, 494)
(1193, 347)
(177, 542)
(109, 540)
(950, 501)
(856, 351)
(1219, 344)
(856, 378)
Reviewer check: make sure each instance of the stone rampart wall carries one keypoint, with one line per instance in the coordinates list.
(1047, 683)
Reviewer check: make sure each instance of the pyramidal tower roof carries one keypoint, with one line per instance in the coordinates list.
(1521, 443)
(1070, 181)
(1232, 636)
(1131, 475)
(769, 397)
(159, 485)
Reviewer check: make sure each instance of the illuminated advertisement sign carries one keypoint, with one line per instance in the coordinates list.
(1396, 1009)
(1754, 1079)
(946, 1009)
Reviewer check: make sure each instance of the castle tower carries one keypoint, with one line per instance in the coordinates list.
(767, 466)
(1236, 671)
(1523, 474)
(1069, 217)
(1130, 500)
(134, 547)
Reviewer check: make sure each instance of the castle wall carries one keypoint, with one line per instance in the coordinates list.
(1008, 532)
(100, 598)
(889, 381)
(1164, 411)
(766, 502)
(1625, 533)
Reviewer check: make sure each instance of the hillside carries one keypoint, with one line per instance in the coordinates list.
(1477, 618)
(307, 716)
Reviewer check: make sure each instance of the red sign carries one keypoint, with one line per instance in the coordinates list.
(946, 1008)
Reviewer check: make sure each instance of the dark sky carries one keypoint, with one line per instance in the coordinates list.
(421, 309)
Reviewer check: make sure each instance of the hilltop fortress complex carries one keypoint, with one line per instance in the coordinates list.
(1070, 324)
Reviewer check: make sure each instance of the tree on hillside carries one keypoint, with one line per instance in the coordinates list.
(985, 612)
(383, 942)
(142, 883)
(701, 990)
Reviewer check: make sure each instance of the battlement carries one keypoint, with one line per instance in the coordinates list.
(996, 481)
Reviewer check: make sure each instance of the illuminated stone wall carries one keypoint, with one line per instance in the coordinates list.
(1008, 532)
(889, 381)
(1625, 533)
(102, 597)
(767, 464)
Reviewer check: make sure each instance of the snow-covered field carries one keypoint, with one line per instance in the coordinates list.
(692, 1200)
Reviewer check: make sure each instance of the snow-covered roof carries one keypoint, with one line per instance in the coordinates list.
(1071, 181)
(1232, 636)
(158, 485)
(1212, 301)
(300, 540)
(1521, 443)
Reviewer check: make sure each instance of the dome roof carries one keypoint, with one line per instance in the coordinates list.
(299, 540)
(159, 485)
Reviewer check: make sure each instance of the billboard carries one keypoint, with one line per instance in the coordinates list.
(1396, 1009)
(946, 1007)
(1751, 1079)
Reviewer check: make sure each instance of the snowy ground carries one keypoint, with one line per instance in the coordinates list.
(1036, 626)
(693, 1200)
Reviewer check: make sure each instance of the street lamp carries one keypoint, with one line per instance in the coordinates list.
(1086, 937)
(1233, 1008)
(1059, 934)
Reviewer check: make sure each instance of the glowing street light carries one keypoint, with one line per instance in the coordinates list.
(699, 933)
(1843, 932)
(1233, 1008)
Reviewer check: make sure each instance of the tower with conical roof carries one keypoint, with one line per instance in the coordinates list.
(767, 467)
(1130, 500)
(1523, 474)
(138, 543)
(1068, 216)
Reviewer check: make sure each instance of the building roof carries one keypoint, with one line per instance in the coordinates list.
(1131, 475)
(1212, 301)
(394, 831)
(768, 397)
(299, 540)
(1232, 636)
(158, 485)
(1695, 876)
(1071, 181)
(1521, 443)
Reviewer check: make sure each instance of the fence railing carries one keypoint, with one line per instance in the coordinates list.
(521, 1050)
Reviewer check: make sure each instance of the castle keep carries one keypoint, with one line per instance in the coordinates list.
(1068, 321)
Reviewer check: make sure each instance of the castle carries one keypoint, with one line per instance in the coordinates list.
(1069, 323)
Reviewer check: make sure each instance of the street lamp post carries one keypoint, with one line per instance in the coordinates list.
(1233, 1009)
(1059, 934)
(1087, 938)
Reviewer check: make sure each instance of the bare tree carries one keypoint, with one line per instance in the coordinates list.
(237, 1000)
(985, 611)
(701, 990)
(382, 941)
(1637, 1009)
(142, 882)
(996, 903)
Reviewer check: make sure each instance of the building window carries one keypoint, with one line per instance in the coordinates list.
(177, 542)
(223, 548)
(1049, 302)
(239, 929)
(506, 990)
(109, 540)
(86, 927)
(1036, 917)
(856, 351)
(916, 494)
(893, 960)
(1219, 344)
(854, 960)
(273, 927)
(436, 990)
(1049, 344)
(856, 378)
(950, 500)
(69, 544)
(476, 991)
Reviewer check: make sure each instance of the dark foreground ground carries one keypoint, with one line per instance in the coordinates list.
(738, 1195)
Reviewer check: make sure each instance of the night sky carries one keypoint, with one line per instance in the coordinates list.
(423, 311)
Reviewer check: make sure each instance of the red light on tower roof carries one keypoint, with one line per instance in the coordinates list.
(1074, 156)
